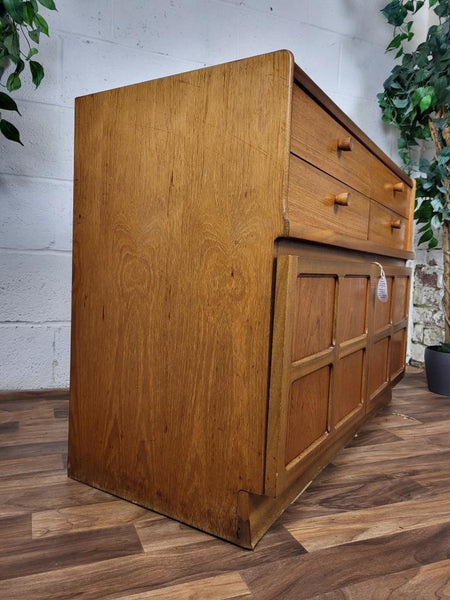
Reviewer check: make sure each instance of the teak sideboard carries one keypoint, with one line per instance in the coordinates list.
(230, 225)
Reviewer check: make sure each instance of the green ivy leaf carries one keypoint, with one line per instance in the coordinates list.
(425, 103)
(395, 13)
(432, 243)
(435, 222)
(10, 131)
(28, 13)
(48, 4)
(425, 237)
(37, 72)
(13, 82)
(15, 9)
(444, 156)
(19, 67)
(441, 10)
(7, 103)
(31, 53)
(395, 43)
(400, 102)
(436, 204)
(41, 23)
(34, 35)
(11, 43)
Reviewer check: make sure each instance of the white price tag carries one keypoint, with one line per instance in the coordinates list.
(382, 288)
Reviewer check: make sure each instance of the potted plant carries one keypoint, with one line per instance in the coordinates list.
(416, 100)
(20, 23)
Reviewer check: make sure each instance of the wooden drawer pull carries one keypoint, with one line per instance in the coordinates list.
(346, 144)
(399, 187)
(396, 224)
(342, 199)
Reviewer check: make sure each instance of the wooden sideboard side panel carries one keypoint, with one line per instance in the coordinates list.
(179, 188)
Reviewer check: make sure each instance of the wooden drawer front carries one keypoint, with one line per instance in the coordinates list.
(388, 189)
(387, 228)
(315, 136)
(313, 198)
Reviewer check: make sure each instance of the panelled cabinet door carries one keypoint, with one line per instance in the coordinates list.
(389, 324)
(319, 360)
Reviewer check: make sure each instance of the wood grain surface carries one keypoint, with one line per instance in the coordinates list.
(377, 518)
(179, 187)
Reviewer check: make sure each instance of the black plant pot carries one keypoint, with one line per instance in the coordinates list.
(437, 369)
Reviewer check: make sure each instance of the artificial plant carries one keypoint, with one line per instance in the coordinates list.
(21, 25)
(416, 100)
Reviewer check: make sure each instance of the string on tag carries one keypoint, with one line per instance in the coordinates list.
(382, 288)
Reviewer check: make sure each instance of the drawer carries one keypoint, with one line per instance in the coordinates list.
(316, 136)
(387, 228)
(388, 189)
(317, 200)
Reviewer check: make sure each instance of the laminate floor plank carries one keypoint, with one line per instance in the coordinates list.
(382, 452)
(325, 570)
(51, 497)
(33, 449)
(9, 427)
(15, 528)
(87, 517)
(325, 498)
(430, 582)
(47, 554)
(370, 437)
(327, 531)
(375, 524)
(229, 586)
(404, 466)
(30, 464)
(25, 434)
(436, 428)
(28, 481)
(153, 569)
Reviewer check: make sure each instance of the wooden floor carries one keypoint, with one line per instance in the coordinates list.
(374, 525)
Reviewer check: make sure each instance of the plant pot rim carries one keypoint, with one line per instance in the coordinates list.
(434, 348)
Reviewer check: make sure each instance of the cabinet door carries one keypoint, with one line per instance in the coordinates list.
(388, 329)
(319, 360)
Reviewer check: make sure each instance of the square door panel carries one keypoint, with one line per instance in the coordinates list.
(353, 306)
(312, 329)
(382, 310)
(378, 368)
(398, 347)
(400, 299)
(307, 419)
(348, 385)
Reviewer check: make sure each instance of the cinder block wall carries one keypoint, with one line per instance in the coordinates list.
(96, 45)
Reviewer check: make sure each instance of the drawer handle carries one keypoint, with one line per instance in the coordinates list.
(342, 199)
(399, 187)
(396, 224)
(346, 144)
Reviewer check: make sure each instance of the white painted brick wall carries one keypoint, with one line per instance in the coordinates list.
(96, 45)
